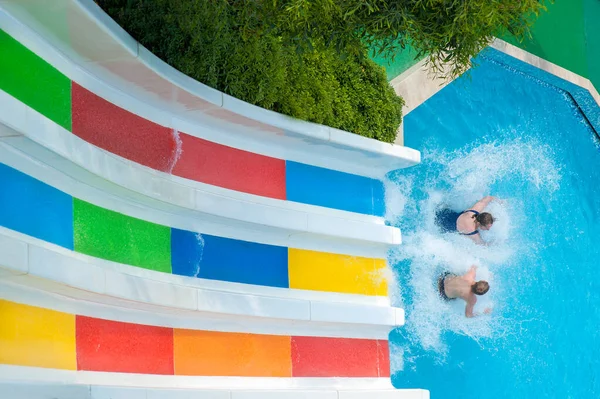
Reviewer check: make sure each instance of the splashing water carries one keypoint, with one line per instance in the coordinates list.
(177, 151)
(199, 254)
(461, 178)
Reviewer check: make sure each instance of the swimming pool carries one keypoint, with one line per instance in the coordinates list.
(521, 138)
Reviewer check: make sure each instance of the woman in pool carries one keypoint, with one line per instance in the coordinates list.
(469, 222)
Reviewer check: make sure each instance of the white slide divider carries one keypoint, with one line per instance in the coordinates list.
(35, 383)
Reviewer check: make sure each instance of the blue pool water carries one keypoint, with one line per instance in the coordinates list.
(512, 135)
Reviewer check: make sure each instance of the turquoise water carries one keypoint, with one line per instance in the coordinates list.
(513, 135)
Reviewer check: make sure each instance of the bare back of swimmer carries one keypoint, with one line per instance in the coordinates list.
(464, 287)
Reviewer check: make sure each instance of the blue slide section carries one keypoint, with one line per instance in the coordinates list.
(226, 259)
(34, 208)
(332, 189)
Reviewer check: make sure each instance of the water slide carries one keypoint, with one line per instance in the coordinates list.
(160, 239)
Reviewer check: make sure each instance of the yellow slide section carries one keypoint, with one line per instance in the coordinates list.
(36, 337)
(321, 271)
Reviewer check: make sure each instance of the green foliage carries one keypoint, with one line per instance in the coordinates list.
(448, 32)
(240, 48)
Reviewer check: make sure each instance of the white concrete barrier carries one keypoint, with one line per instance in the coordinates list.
(35, 383)
(62, 391)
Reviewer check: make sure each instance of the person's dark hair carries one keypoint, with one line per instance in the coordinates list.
(480, 287)
(484, 219)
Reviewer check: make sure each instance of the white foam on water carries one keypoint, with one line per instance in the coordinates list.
(395, 199)
(457, 180)
(177, 151)
(396, 356)
(199, 254)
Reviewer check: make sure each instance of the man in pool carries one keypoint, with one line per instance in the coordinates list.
(465, 287)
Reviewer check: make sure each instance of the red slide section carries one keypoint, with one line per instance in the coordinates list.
(104, 345)
(339, 357)
(116, 130)
(123, 133)
(231, 168)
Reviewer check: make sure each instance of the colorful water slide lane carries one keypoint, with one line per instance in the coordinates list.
(46, 338)
(111, 292)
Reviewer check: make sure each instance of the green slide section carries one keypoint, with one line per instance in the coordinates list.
(568, 35)
(110, 235)
(34, 82)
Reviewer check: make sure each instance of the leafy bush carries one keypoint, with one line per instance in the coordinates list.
(448, 32)
(236, 47)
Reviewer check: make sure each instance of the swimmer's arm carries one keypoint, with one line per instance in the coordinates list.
(470, 306)
(472, 272)
(480, 205)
